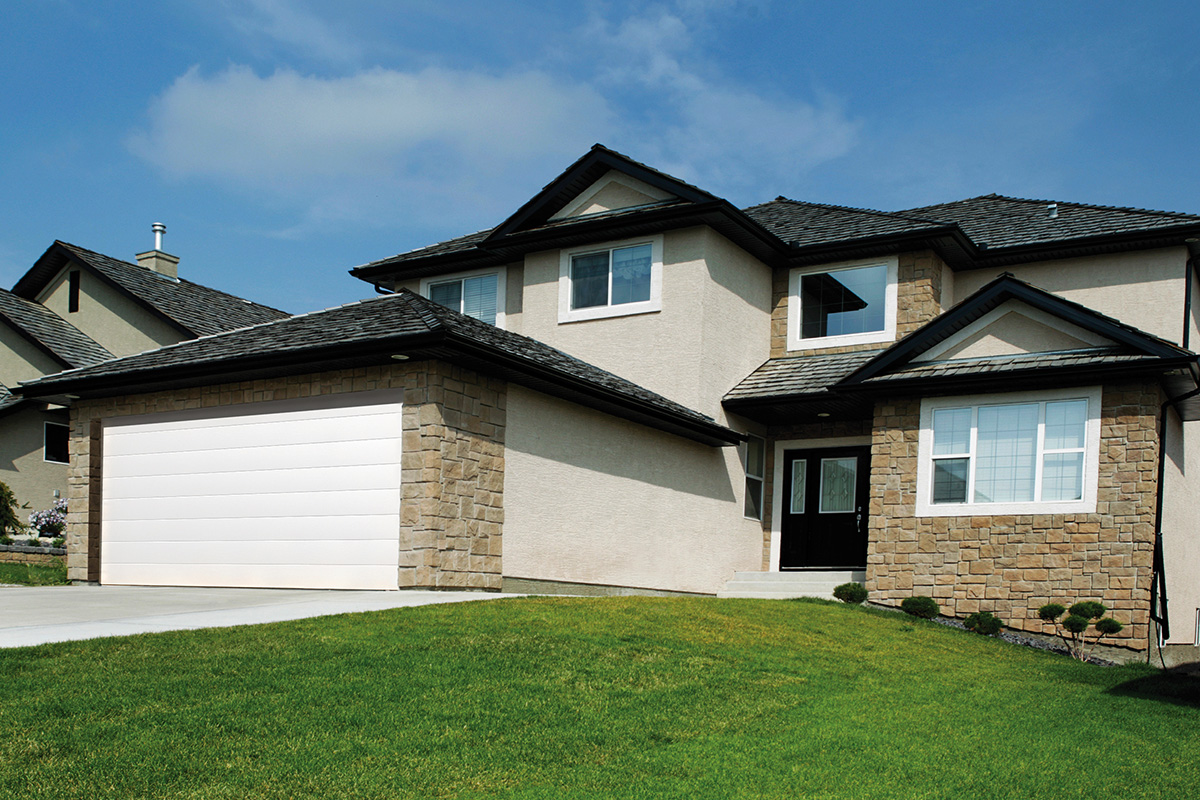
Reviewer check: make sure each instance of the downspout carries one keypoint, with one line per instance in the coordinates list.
(1158, 574)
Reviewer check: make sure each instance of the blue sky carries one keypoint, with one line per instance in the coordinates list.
(285, 141)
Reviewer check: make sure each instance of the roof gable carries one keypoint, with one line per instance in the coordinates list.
(1104, 337)
(190, 308)
(582, 176)
(1013, 328)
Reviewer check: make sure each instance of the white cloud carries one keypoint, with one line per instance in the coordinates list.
(288, 23)
(379, 131)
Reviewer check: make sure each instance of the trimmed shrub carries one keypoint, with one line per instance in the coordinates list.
(854, 593)
(1073, 627)
(983, 622)
(920, 606)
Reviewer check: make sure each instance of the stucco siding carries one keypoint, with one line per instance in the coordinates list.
(20, 360)
(1181, 528)
(590, 498)
(1144, 289)
(22, 466)
(712, 330)
(116, 322)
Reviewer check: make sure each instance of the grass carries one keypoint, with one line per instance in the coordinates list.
(583, 698)
(54, 574)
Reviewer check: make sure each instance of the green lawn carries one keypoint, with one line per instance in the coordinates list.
(582, 698)
(34, 574)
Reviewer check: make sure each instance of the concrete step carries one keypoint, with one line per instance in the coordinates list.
(783, 585)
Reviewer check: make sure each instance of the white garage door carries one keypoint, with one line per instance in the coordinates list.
(299, 494)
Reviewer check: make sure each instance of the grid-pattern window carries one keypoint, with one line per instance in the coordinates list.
(611, 277)
(755, 469)
(1011, 453)
(475, 296)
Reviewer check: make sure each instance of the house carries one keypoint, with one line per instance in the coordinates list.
(632, 385)
(75, 308)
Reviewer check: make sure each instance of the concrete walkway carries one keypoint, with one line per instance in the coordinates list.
(32, 615)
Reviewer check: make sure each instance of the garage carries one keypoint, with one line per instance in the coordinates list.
(287, 494)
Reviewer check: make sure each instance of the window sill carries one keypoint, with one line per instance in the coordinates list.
(1004, 509)
(608, 312)
(873, 337)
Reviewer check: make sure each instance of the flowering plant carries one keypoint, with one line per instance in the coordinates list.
(52, 521)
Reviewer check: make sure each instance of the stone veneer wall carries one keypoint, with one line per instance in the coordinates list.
(452, 466)
(1012, 565)
(918, 300)
(822, 429)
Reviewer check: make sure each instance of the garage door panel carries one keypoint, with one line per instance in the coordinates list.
(252, 576)
(292, 497)
(248, 459)
(261, 552)
(310, 479)
(379, 526)
(132, 441)
(339, 505)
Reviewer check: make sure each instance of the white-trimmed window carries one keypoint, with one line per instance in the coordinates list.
(613, 280)
(56, 443)
(852, 302)
(1029, 453)
(756, 465)
(476, 294)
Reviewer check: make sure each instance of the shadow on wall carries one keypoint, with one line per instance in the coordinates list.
(582, 439)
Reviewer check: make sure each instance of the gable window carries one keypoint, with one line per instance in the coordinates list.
(755, 469)
(477, 294)
(1030, 454)
(610, 281)
(841, 304)
(72, 291)
(55, 443)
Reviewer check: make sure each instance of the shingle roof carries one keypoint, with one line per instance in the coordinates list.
(997, 221)
(194, 308)
(8, 400)
(67, 343)
(404, 322)
(1093, 357)
(801, 223)
(798, 375)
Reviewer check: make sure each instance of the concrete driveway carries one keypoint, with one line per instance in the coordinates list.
(32, 615)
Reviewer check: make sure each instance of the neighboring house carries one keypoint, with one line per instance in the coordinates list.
(75, 308)
(632, 385)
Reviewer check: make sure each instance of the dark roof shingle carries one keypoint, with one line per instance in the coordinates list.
(798, 375)
(68, 344)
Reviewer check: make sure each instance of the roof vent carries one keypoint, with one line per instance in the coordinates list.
(156, 260)
(1052, 211)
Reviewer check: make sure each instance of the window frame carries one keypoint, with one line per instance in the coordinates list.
(925, 507)
(795, 307)
(761, 477)
(568, 314)
(501, 274)
(45, 442)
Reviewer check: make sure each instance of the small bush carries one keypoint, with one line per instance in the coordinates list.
(1073, 627)
(32, 542)
(52, 521)
(9, 523)
(983, 622)
(920, 606)
(1108, 626)
(1088, 609)
(1051, 611)
(851, 593)
(59, 542)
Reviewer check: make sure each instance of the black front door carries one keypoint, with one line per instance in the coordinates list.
(824, 522)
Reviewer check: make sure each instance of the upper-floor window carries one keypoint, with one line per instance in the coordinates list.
(610, 281)
(841, 304)
(476, 294)
(756, 449)
(1033, 453)
(73, 291)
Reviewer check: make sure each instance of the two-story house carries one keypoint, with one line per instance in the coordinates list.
(632, 385)
(75, 308)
